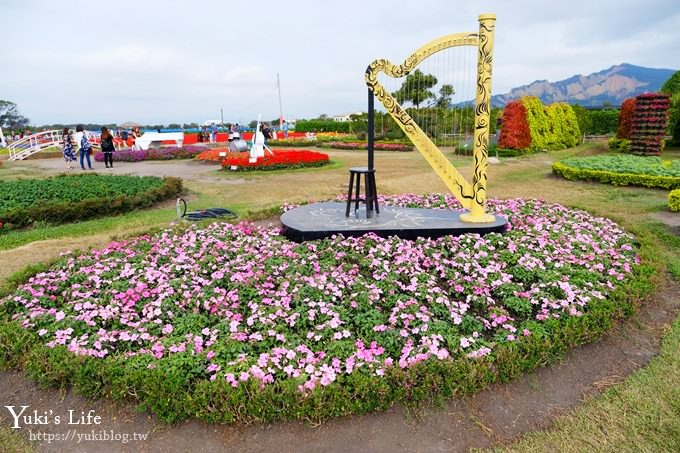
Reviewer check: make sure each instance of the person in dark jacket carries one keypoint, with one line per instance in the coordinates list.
(107, 147)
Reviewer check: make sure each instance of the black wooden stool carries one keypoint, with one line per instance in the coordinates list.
(371, 198)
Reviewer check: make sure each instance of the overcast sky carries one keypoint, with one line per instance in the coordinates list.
(156, 62)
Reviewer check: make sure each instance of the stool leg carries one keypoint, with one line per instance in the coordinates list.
(374, 191)
(369, 196)
(356, 203)
(349, 194)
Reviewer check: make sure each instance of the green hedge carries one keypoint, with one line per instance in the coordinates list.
(63, 209)
(321, 126)
(674, 200)
(617, 179)
(552, 127)
(168, 392)
(621, 145)
(603, 122)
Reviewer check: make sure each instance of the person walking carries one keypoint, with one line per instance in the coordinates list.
(107, 147)
(67, 145)
(84, 145)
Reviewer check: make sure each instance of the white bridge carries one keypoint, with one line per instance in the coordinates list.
(32, 144)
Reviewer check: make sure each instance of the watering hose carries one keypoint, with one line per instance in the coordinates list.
(210, 213)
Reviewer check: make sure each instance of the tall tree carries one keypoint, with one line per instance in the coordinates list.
(672, 87)
(10, 117)
(446, 92)
(416, 88)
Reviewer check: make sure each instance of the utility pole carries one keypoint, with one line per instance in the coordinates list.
(278, 85)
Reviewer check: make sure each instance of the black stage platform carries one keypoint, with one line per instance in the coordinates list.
(320, 220)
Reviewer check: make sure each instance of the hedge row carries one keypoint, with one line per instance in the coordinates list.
(674, 200)
(321, 126)
(168, 392)
(69, 211)
(614, 178)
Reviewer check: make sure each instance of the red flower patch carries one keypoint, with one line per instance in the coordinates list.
(280, 159)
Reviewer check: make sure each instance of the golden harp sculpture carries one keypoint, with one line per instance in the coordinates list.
(472, 196)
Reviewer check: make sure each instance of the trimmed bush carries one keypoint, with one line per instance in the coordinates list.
(604, 122)
(364, 146)
(650, 119)
(626, 119)
(515, 133)
(674, 200)
(553, 127)
(321, 126)
(621, 170)
(539, 123)
(563, 125)
(621, 145)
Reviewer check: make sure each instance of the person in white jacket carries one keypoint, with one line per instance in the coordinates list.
(83, 145)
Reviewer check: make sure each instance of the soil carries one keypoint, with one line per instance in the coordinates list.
(489, 418)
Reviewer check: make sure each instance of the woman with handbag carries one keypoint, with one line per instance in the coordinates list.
(107, 147)
(85, 146)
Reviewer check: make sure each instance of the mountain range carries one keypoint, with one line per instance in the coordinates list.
(610, 86)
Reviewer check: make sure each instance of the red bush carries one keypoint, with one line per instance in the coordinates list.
(515, 132)
(626, 119)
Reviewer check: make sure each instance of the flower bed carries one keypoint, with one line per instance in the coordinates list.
(294, 142)
(279, 160)
(622, 170)
(233, 322)
(377, 146)
(164, 153)
(212, 155)
(68, 198)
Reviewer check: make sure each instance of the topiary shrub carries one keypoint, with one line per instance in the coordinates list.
(539, 123)
(564, 126)
(674, 200)
(650, 119)
(626, 119)
(515, 132)
(620, 145)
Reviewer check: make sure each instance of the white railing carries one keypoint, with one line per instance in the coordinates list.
(29, 145)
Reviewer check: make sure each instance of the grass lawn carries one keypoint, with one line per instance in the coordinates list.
(641, 414)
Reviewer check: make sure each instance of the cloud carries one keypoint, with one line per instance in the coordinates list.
(182, 61)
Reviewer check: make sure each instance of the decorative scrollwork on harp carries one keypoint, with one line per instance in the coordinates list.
(471, 196)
